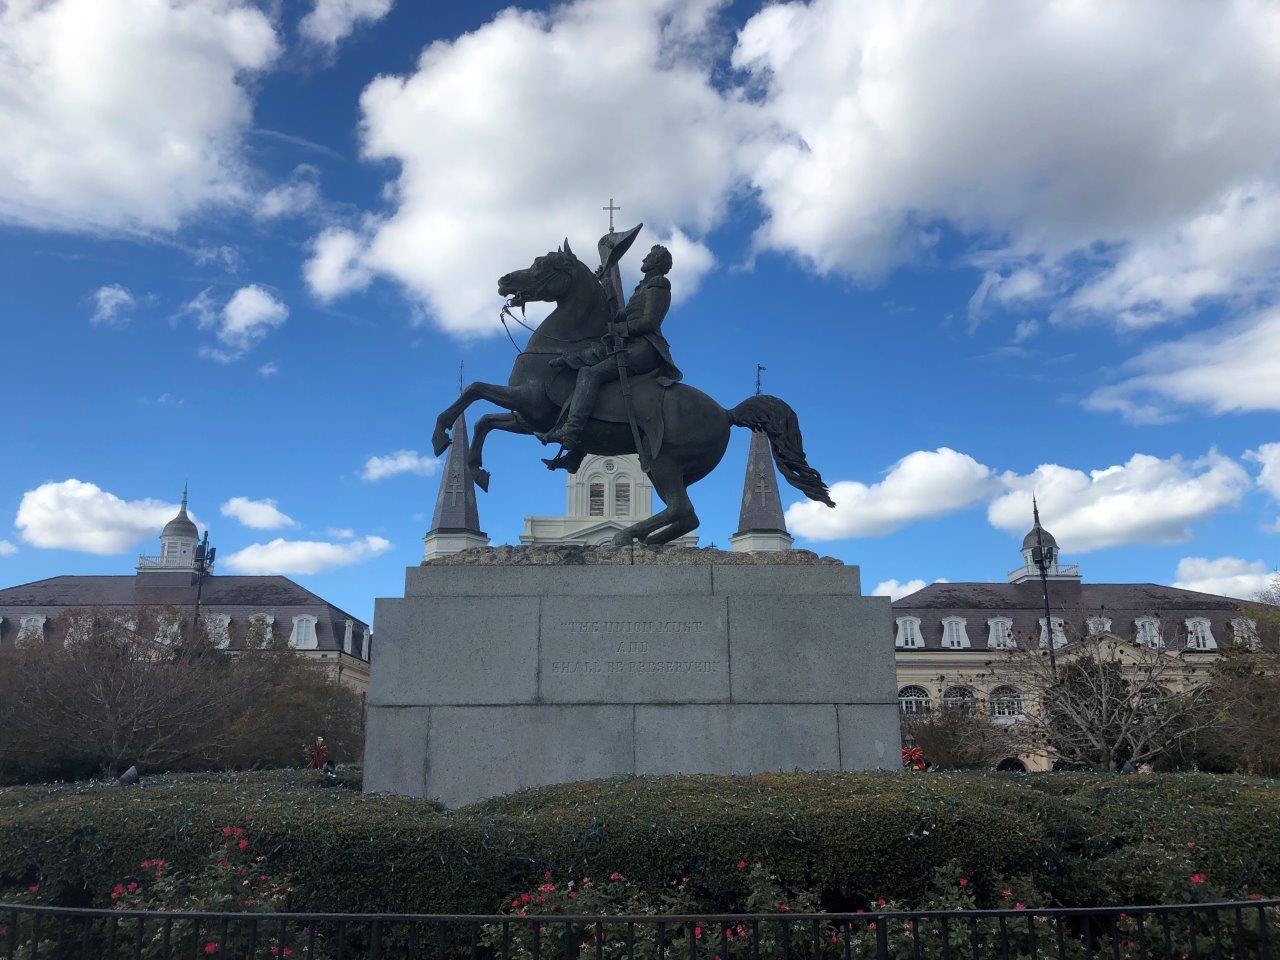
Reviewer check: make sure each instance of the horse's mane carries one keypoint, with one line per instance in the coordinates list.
(583, 313)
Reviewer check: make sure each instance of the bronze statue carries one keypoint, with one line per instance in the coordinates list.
(561, 387)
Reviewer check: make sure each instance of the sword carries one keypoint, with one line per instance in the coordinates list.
(612, 246)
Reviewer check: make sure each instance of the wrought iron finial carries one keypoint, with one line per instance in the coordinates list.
(462, 366)
(184, 494)
(612, 209)
(759, 370)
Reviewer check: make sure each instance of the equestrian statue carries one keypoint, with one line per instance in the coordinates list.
(597, 377)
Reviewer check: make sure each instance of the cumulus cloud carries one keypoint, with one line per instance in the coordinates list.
(331, 21)
(997, 122)
(1225, 576)
(401, 461)
(896, 591)
(1145, 500)
(298, 195)
(111, 304)
(125, 115)
(281, 556)
(511, 137)
(259, 514)
(922, 485)
(1268, 457)
(75, 515)
(7, 549)
(240, 323)
(1232, 369)
(269, 369)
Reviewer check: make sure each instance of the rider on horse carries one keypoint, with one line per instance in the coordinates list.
(644, 350)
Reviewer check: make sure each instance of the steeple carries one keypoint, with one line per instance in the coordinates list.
(761, 525)
(455, 525)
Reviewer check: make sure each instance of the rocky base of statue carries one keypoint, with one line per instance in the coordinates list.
(491, 677)
(557, 554)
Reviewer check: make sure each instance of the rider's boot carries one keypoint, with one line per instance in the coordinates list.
(568, 433)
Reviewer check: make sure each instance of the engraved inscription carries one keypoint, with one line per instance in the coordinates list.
(633, 648)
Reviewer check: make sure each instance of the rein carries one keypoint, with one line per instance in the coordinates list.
(506, 312)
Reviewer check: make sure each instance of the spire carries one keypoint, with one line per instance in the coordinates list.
(761, 525)
(184, 497)
(455, 525)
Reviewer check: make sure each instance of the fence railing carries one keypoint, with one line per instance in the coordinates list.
(1203, 931)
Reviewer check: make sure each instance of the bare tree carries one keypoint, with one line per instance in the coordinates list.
(1109, 702)
(959, 738)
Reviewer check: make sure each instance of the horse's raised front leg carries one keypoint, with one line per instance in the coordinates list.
(508, 397)
(507, 422)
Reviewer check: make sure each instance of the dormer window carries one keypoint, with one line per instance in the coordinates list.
(1000, 633)
(1059, 635)
(1200, 634)
(304, 633)
(954, 634)
(347, 637)
(31, 628)
(219, 630)
(1245, 632)
(909, 637)
(1098, 626)
(1147, 632)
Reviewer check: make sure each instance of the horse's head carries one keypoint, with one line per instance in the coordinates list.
(549, 278)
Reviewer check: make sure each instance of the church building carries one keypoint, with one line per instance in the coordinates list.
(236, 610)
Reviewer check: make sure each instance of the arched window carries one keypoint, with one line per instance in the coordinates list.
(304, 633)
(908, 637)
(1147, 632)
(1005, 704)
(622, 498)
(959, 698)
(914, 700)
(1200, 634)
(595, 499)
(954, 634)
(1000, 633)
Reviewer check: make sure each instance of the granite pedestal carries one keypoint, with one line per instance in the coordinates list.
(486, 679)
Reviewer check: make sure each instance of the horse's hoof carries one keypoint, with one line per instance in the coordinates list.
(440, 441)
(481, 477)
(622, 539)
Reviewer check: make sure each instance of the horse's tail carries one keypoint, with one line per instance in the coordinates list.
(776, 419)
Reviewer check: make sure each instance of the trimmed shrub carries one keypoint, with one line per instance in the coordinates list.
(846, 838)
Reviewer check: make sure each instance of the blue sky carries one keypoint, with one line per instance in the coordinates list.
(247, 245)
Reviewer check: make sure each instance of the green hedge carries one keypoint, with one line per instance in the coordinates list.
(850, 837)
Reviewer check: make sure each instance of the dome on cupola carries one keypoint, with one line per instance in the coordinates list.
(180, 526)
(1030, 540)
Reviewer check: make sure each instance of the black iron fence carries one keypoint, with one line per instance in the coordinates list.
(1201, 931)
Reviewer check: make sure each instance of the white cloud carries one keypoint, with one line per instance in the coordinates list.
(401, 461)
(125, 114)
(922, 485)
(1225, 576)
(512, 136)
(259, 514)
(74, 515)
(240, 323)
(269, 369)
(896, 591)
(341, 533)
(110, 305)
(303, 556)
(997, 121)
(1268, 456)
(1232, 369)
(1145, 500)
(7, 549)
(298, 195)
(331, 21)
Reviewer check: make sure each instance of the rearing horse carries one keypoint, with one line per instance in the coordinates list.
(696, 428)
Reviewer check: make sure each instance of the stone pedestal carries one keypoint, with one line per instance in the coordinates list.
(487, 679)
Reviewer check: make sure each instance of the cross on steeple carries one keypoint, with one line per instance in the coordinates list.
(759, 370)
(612, 209)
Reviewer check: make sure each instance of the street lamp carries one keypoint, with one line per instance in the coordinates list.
(1044, 555)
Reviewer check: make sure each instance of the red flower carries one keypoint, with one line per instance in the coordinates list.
(243, 844)
(132, 886)
(262, 878)
(227, 831)
(34, 888)
(616, 876)
(117, 891)
(224, 863)
(573, 894)
(697, 933)
(210, 947)
(728, 933)
(1019, 906)
(515, 902)
(964, 881)
(782, 907)
(1007, 894)
(1198, 878)
(547, 875)
(525, 898)
(288, 951)
(871, 926)
(742, 864)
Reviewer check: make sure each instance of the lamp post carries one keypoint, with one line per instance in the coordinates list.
(1043, 556)
(204, 562)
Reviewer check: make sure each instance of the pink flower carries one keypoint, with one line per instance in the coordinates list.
(525, 898)
(288, 951)
(262, 878)
(515, 902)
(1198, 878)
(728, 933)
(117, 891)
(697, 933)
(243, 844)
(547, 888)
(742, 864)
(210, 947)
(34, 888)
(573, 894)
(547, 875)
(882, 902)
(1019, 906)
(132, 886)
(964, 881)
(1007, 894)
(224, 863)
(226, 832)
(616, 876)
(782, 907)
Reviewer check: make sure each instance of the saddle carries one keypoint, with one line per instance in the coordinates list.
(647, 393)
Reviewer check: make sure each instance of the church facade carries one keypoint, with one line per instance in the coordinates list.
(237, 611)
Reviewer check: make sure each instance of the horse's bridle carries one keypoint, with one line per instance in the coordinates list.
(517, 300)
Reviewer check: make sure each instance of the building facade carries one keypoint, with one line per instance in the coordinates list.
(237, 611)
(948, 637)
